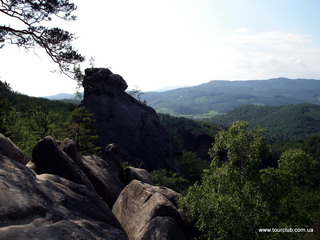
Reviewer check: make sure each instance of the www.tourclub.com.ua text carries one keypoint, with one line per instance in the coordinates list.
(297, 230)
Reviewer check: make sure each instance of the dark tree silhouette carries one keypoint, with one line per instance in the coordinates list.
(29, 32)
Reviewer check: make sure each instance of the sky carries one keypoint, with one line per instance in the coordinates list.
(157, 44)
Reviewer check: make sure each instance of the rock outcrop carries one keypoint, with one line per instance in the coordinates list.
(149, 212)
(10, 150)
(102, 175)
(123, 120)
(72, 196)
(49, 158)
(141, 175)
(51, 207)
(197, 143)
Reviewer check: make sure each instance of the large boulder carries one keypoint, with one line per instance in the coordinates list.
(49, 158)
(51, 207)
(103, 174)
(140, 174)
(106, 182)
(123, 120)
(10, 150)
(149, 212)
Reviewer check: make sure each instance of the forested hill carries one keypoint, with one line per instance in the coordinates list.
(282, 122)
(217, 97)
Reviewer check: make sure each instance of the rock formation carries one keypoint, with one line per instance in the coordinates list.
(141, 175)
(149, 212)
(72, 196)
(123, 120)
(102, 175)
(10, 150)
(197, 143)
(51, 207)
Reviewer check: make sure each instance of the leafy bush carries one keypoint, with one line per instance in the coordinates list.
(192, 166)
(170, 180)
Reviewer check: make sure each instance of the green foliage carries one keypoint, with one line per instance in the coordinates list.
(26, 128)
(302, 167)
(192, 166)
(310, 145)
(170, 180)
(236, 197)
(124, 172)
(26, 120)
(80, 126)
(240, 147)
(283, 123)
(173, 124)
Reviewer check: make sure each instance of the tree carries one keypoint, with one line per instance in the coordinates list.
(236, 197)
(81, 127)
(241, 148)
(301, 166)
(170, 180)
(29, 32)
(137, 92)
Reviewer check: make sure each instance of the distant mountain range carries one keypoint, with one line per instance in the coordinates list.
(61, 96)
(219, 97)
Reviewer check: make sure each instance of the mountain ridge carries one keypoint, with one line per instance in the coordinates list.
(220, 96)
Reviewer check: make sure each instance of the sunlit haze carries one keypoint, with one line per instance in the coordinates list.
(156, 44)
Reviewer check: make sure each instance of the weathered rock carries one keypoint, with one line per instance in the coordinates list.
(141, 175)
(138, 206)
(106, 182)
(197, 143)
(10, 150)
(123, 120)
(49, 158)
(102, 173)
(111, 155)
(160, 228)
(51, 207)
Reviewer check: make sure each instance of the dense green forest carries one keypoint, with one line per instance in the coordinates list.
(174, 124)
(26, 120)
(283, 123)
(219, 97)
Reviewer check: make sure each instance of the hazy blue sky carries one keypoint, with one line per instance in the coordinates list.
(154, 44)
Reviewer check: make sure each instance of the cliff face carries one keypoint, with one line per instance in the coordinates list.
(123, 120)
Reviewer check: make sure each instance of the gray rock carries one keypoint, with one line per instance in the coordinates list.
(51, 207)
(138, 206)
(160, 228)
(106, 182)
(141, 175)
(102, 173)
(131, 125)
(49, 158)
(10, 150)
